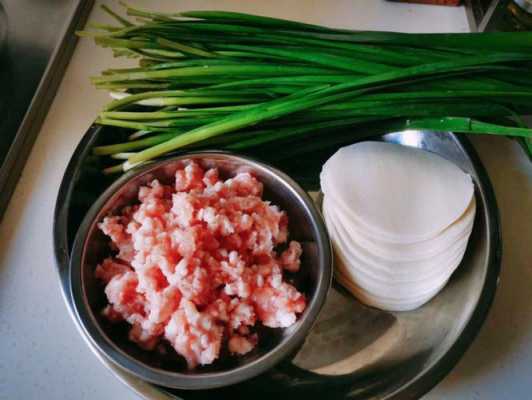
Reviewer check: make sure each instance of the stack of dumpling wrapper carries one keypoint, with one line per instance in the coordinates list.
(399, 219)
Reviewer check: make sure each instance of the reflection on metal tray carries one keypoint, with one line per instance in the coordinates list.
(36, 41)
(353, 351)
(499, 15)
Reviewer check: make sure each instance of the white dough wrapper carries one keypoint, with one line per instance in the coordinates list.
(389, 296)
(403, 291)
(399, 287)
(408, 275)
(383, 303)
(404, 252)
(400, 194)
(393, 266)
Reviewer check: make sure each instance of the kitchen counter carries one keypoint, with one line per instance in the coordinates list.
(42, 354)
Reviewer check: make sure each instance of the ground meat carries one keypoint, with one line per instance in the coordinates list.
(241, 344)
(290, 258)
(196, 262)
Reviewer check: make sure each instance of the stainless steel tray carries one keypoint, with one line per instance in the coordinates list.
(32, 61)
(353, 351)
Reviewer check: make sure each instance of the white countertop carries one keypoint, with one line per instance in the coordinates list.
(43, 356)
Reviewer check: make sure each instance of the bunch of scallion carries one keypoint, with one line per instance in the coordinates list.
(284, 90)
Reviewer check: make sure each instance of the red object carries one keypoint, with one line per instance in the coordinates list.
(435, 2)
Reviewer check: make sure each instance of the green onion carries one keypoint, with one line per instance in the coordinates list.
(250, 83)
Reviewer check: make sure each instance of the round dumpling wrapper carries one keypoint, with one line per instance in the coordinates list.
(385, 303)
(386, 297)
(400, 291)
(399, 193)
(386, 252)
(379, 281)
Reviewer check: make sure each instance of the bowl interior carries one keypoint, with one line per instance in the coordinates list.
(91, 247)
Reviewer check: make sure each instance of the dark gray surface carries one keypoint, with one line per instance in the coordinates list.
(40, 40)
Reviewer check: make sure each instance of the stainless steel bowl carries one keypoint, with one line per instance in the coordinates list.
(90, 247)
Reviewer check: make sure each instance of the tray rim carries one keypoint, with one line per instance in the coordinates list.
(410, 390)
(28, 129)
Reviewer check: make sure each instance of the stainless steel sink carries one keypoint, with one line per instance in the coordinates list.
(36, 41)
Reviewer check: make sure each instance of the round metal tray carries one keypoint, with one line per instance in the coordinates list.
(353, 351)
